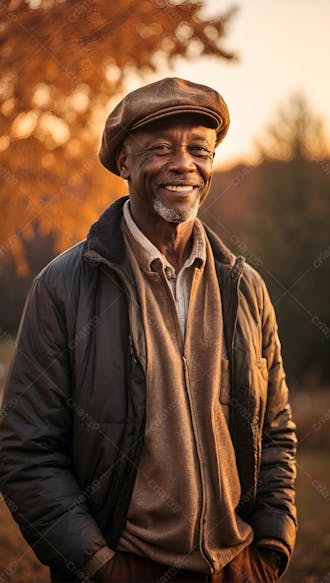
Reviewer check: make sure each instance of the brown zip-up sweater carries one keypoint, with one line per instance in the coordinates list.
(182, 510)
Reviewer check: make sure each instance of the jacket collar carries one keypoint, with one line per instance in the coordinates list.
(106, 238)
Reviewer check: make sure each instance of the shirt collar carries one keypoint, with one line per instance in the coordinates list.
(152, 253)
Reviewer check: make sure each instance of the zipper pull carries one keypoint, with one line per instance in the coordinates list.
(185, 362)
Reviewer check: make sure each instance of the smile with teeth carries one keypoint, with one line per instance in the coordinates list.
(179, 188)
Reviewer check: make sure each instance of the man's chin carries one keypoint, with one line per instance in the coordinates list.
(176, 215)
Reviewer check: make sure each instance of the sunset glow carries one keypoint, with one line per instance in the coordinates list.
(283, 49)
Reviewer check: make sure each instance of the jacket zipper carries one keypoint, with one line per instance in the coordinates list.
(232, 368)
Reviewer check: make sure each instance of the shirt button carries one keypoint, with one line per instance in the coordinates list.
(169, 273)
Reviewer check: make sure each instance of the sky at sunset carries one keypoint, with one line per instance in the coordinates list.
(283, 48)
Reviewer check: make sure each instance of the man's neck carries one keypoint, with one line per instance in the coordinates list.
(174, 240)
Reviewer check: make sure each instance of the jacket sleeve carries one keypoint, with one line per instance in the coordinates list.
(274, 514)
(37, 477)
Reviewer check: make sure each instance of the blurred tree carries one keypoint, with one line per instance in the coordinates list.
(290, 232)
(276, 214)
(292, 190)
(296, 133)
(63, 63)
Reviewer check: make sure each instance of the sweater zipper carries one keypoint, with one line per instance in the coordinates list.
(201, 464)
(202, 519)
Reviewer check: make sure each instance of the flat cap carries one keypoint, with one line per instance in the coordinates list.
(165, 98)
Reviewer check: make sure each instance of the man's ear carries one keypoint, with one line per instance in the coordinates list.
(121, 159)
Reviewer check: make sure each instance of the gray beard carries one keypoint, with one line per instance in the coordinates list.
(176, 215)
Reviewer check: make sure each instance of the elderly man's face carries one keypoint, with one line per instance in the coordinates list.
(168, 167)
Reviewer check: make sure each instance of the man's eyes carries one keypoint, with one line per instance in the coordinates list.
(201, 150)
(195, 149)
(161, 148)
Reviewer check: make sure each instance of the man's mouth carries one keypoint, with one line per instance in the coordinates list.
(179, 187)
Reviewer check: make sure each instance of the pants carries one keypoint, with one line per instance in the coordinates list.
(247, 567)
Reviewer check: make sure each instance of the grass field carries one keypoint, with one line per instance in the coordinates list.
(311, 559)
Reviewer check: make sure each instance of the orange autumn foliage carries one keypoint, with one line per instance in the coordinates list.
(64, 63)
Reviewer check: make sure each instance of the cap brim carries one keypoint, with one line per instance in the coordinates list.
(213, 118)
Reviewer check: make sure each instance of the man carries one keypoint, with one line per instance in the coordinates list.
(146, 434)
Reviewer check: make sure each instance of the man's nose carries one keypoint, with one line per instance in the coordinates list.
(181, 160)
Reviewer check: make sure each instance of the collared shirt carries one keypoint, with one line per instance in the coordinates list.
(179, 283)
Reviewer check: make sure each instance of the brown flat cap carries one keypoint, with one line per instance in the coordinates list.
(165, 98)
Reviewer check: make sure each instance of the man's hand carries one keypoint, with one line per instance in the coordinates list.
(254, 564)
(271, 556)
(267, 561)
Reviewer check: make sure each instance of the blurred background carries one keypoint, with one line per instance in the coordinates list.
(65, 63)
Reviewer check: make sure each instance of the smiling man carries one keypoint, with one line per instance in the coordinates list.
(146, 432)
